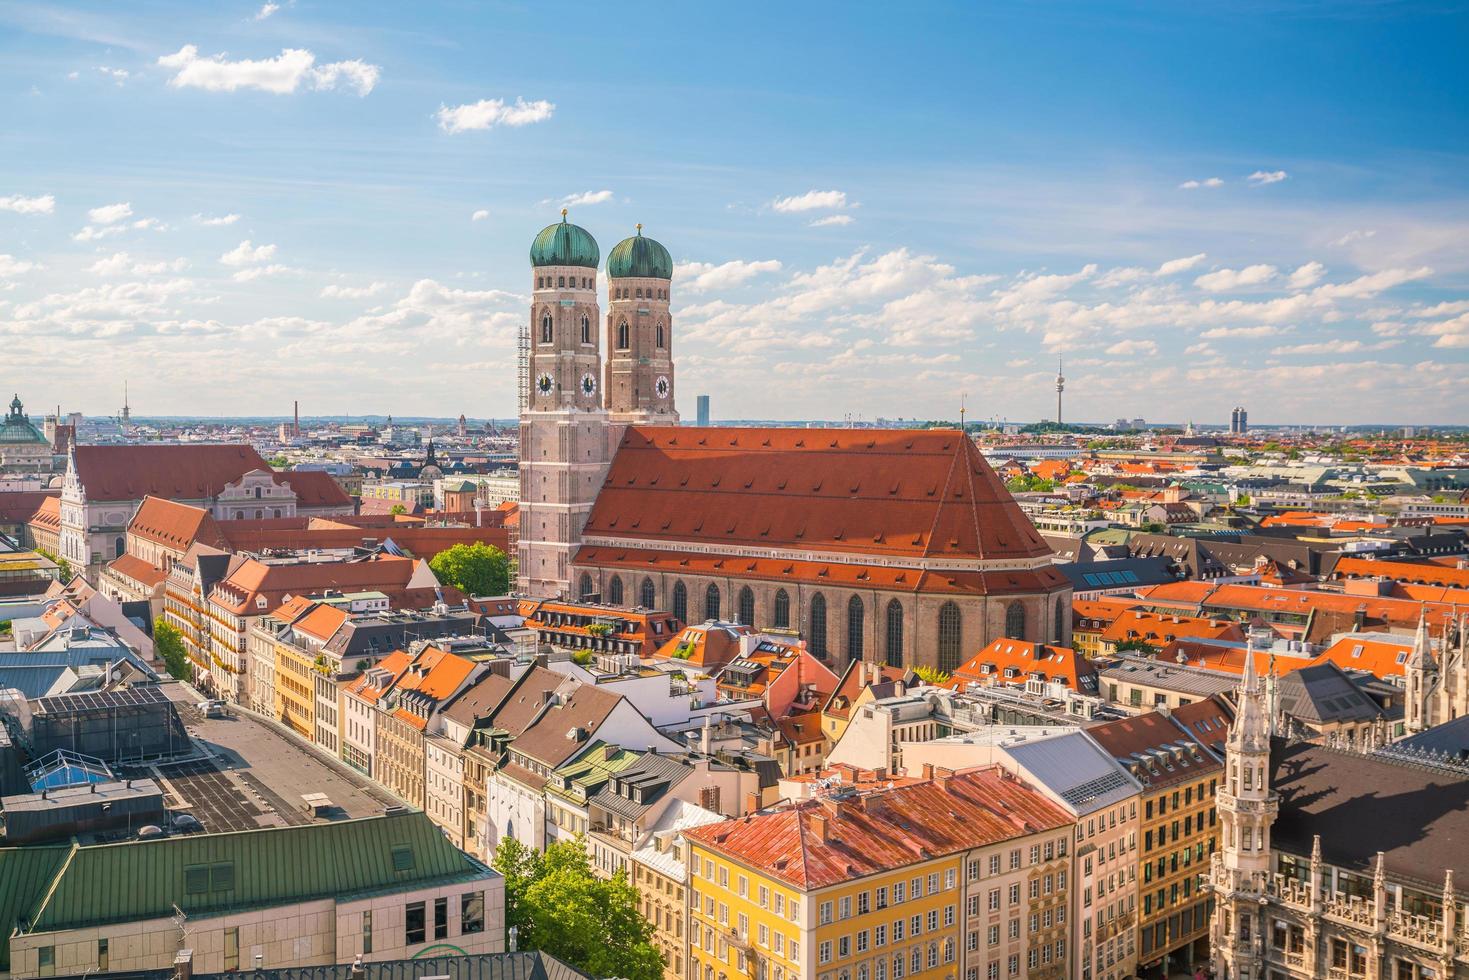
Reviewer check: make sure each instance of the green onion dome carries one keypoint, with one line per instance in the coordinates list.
(639, 258)
(565, 244)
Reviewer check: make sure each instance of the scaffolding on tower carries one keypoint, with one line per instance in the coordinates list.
(522, 366)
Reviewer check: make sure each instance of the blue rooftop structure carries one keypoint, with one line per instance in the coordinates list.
(62, 768)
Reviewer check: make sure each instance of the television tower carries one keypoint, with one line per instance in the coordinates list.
(1060, 387)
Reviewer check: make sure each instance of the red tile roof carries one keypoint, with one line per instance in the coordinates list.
(18, 506)
(828, 841)
(1061, 665)
(187, 472)
(315, 488)
(48, 514)
(240, 591)
(1154, 732)
(1158, 629)
(174, 525)
(902, 493)
(1416, 573)
(1384, 657)
(135, 568)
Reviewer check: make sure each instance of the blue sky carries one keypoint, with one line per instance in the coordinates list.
(874, 208)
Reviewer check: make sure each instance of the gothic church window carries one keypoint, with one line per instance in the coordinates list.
(711, 602)
(680, 602)
(648, 598)
(854, 629)
(894, 651)
(622, 335)
(747, 607)
(586, 330)
(586, 586)
(1015, 621)
(546, 329)
(949, 632)
(660, 336)
(782, 609)
(817, 638)
(614, 591)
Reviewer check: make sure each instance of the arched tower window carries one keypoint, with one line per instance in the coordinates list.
(894, 651)
(546, 329)
(586, 329)
(586, 586)
(747, 607)
(949, 634)
(1060, 625)
(711, 602)
(855, 629)
(622, 335)
(1015, 621)
(782, 609)
(647, 597)
(817, 638)
(660, 336)
(680, 602)
(614, 591)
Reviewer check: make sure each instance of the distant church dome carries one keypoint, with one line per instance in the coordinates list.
(564, 244)
(639, 258)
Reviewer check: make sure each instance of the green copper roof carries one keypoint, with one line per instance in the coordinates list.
(26, 873)
(206, 874)
(639, 257)
(17, 428)
(564, 244)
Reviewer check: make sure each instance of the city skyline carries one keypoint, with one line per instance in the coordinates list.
(245, 206)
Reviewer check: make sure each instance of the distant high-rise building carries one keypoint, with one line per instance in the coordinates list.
(1239, 421)
(703, 410)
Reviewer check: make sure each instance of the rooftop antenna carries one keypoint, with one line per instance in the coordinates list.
(962, 396)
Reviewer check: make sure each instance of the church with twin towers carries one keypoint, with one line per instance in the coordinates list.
(896, 545)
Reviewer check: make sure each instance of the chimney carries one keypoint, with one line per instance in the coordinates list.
(706, 737)
(821, 827)
(296, 418)
(183, 964)
(928, 770)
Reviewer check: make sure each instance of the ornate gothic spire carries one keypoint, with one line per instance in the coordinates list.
(1422, 656)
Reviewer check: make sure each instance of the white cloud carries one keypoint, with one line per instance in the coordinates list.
(92, 233)
(266, 10)
(11, 266)
(1307, 275)
(1354, 236)
(586, 197)
(281, 75)
(45, 204)
(353, 292)
(811, 201)
(113, 265)
(259, 272)
(1133, 347)
(247, 254)
(1334, 347)
(1365, 287)
(833, 219)
(215, 221)
(1222, 280)
(110, 213)
(1193, 185)
(487, 113)
(1262, 177)
(1032, 289)
(1173, 266)
(1231, 333)
(479, 215)
(147, 223)
(121, 262)
(119, 75)
(696, 277)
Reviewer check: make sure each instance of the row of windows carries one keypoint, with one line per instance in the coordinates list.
(638, 293)
(878, 899)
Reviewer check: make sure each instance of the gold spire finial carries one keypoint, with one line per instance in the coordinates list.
(640, 227)
(563, 214)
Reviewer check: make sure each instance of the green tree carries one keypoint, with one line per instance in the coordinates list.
(474, 569)
(397, 509)
(168, 644)
(1136, 646)
(932, 675)
(557, 905)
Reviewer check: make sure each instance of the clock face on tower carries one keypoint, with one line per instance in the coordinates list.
(588, 385)
(661, 386)
(544, 384)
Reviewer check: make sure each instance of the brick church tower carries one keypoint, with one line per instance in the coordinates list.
(639, 381)
(564, 444)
